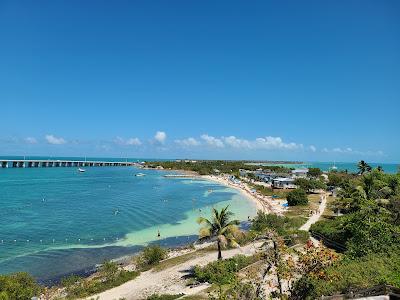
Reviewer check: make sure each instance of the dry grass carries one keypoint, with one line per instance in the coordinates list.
(171, 262)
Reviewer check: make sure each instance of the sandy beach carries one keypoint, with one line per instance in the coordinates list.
(263, 203)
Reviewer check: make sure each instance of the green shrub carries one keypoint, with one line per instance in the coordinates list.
(18, 286)
(346, 275)
(297, 197)
(153, 255)
(223, 271)
(78, 288)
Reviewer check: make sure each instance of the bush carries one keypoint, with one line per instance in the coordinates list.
(346, 275)
(153, 255)
(18, 286)
(280, 224)
(297, 197)
(223, 271)
(79, 288)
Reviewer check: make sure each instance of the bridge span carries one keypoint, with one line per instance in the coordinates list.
(48, 163)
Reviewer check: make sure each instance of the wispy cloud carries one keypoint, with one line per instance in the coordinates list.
(30, 140)
(348, 150)
(188, 142)
(212, 141)
(313, 148)
(268, 143)
(127, 142)
(160, 137)
(51, 139)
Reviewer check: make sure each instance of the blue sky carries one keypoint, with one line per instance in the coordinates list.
(294, 80)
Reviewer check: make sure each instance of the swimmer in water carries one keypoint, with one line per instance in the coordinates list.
(158, 233)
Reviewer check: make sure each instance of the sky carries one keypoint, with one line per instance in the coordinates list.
(265, 80)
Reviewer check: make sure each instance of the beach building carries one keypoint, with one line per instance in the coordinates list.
(283, 183)
(300, 173)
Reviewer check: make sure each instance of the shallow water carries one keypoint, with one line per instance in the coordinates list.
(55, 221)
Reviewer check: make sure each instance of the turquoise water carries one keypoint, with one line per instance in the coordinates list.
(54, 221)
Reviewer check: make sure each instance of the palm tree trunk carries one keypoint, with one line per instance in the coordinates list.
(219, 250)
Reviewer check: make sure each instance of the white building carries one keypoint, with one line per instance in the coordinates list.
(300, 173)
(283, 183)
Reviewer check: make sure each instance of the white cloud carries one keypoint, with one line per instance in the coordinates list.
(160, 137)
(313, 148)
(351, 151)
(51, 139)
(129, 142)
(212, 141)
(133, 142)
(188, 142)
(236, 143)
(271, 142)
(30, 140)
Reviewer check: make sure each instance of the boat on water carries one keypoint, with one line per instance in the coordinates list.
(140, 174)
(80, 170)
(334, 167)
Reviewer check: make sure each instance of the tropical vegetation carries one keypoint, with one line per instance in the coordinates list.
(220, 227)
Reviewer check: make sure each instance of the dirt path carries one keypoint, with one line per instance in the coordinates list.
(169, 281)
(315, 217)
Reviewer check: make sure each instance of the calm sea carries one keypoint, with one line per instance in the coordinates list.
(55, 221)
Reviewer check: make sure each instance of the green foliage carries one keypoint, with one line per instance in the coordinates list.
(310, 185)
(238, 291)
(77, 287)
(18, 286)
(363, 167)
(297, 197)
(221, 227)
(109, 270)
(280, 224)
(152, 255)
(207, 167)
(351, 274)
(366, 231)
(223, 271)
(314, 172)
(164, 297)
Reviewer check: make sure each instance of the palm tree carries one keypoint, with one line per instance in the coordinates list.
(220, 227)
(379, 168)
(363, 167)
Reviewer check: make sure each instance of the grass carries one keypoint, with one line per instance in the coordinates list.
(302, 212)
(171, 262)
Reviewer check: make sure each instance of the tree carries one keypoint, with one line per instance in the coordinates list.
(309, 185)
(297, 197)
(314, 172)
(220, 227)
(379, 168)
(363, 167)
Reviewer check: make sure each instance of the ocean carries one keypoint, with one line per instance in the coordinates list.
(56, 221)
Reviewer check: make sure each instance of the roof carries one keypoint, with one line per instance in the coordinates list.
(284, 179)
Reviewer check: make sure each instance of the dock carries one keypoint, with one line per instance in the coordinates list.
(48, 163)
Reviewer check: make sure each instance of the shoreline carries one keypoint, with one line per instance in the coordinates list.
(264, 203)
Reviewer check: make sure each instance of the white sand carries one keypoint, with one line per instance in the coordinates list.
(169, 281)
(263, 203)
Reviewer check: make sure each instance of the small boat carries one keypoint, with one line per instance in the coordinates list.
(81, 170)
(140, 174)
(334, 167)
